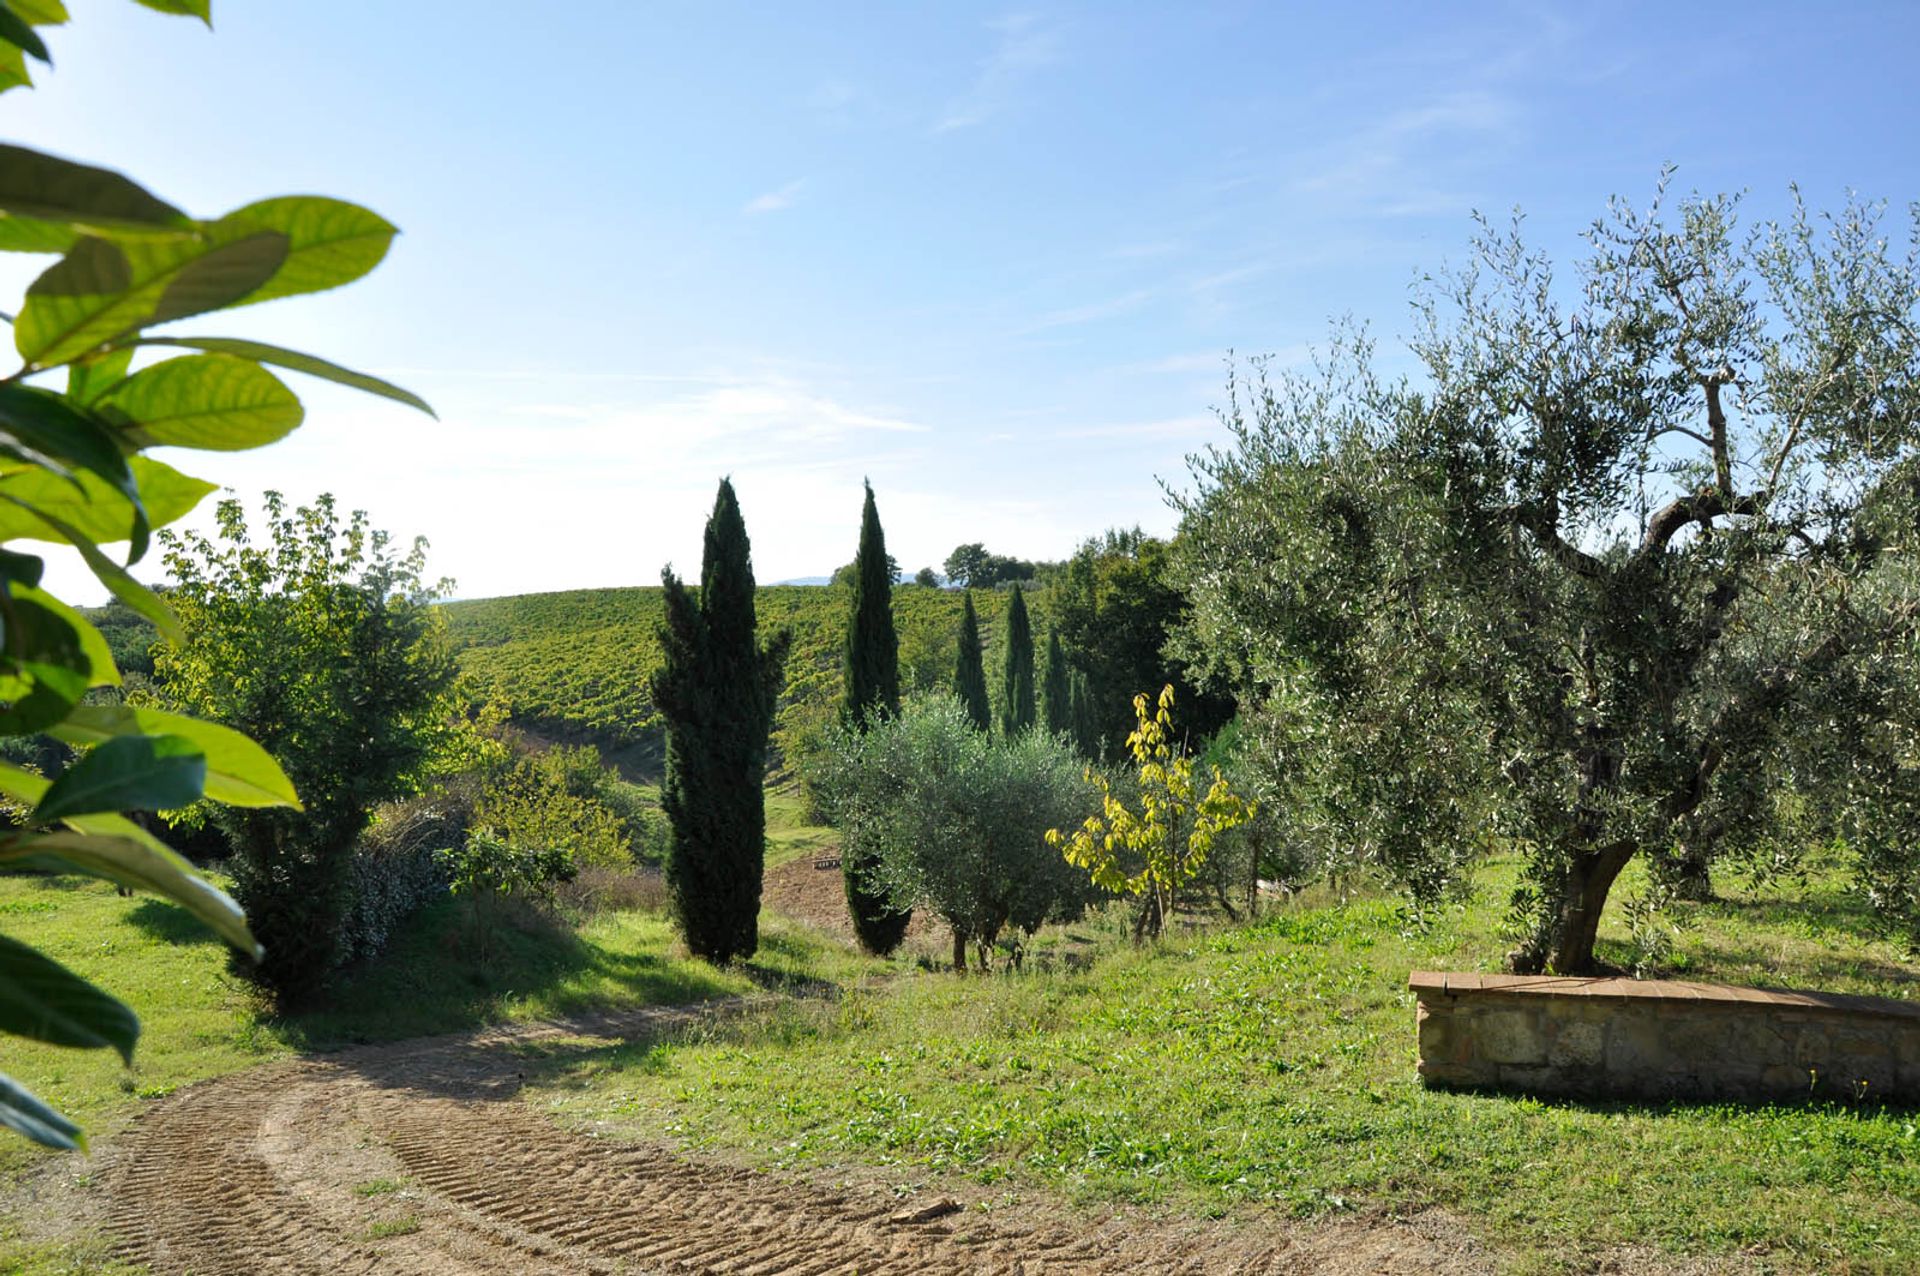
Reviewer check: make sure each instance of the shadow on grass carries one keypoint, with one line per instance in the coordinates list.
(170, 922)
(1817, 915)
(779, 967)
(1831, 1103)
(434, 979)
(492, 1068)
(1715, 961)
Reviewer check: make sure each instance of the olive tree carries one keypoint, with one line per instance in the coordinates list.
(1626, 567)
(947, 816)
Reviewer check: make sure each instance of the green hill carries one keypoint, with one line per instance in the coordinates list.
(575, 665)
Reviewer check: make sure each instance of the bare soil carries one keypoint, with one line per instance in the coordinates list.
(819, 897)
(417, 1158)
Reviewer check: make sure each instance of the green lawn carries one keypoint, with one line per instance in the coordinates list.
(1245, 1069)
(200, 1021)
(1271, 1067)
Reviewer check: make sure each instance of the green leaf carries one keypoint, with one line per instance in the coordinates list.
(46, 667)
(88, 379)
(99, 656)
(42, 1000)
(260, 352)
(14, 30)
(24, 1114)
(90, 507)
(104, 290)
(330, 242)
(124, 587)
(33, 184)
(211, 401)
(183, 8)
(239, 772)
(114, 847)
(127, 773)
(33, 234)
(109, 573)
(42, 13)
(50, 424)
(21, 571)
(13, 69)
(21, 784)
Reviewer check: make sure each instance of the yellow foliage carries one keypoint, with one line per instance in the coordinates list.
(1174, 830)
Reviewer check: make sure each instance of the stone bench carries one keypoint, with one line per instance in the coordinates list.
(1659, 1039)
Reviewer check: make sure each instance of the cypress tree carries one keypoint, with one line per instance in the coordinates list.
(872, 659)
(970, 672)
(1056, 707)
(1016, 713)
(1086, 719)
(717, 688)
(873, 690)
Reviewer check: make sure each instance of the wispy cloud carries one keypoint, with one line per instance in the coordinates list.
(1210, 361)
(1025, 46)
(1087, 314)
(775, 200)
(1384, 162)
(1176, 427)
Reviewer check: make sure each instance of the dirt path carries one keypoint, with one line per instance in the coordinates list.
(415, 1159)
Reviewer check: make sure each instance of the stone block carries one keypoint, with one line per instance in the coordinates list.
(1444, 1036)
(1812, 1047)
(1510, 1036)
(1637, 1047)
(1577, 1044)
(1702, 1035)
(1454, 1075)
(1784, 1081)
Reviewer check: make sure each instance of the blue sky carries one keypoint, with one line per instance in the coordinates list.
(992, 258)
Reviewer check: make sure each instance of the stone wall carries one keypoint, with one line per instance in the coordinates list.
(1650, 1039)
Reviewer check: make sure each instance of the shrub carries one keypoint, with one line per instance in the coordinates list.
(396, 869)
(531, 805)
(956, 820)
(321, 642)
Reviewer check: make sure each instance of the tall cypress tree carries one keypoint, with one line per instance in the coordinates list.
(873, 690)
(1016, 712)
(717, 689)
(872, 658)
(1056, 704)
(970, 671)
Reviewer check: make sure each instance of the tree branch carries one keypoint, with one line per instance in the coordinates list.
(1705, 504)
(1547, 535)
(1695, 435)
(1717, 422)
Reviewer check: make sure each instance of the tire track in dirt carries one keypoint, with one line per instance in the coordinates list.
(414, 1159)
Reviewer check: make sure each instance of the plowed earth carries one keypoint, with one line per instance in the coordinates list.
(417, 1158)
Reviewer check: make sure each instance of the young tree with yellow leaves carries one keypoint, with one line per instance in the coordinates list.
(1171, 835)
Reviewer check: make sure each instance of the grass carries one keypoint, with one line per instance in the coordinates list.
(1229, 1070)
(1271, 1067)
(789, 835)
(200, 1021)
(406, 1225)
(378, 1187)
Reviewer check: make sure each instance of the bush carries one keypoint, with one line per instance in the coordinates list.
(388, 883)
(395, 869)
(536, 804)
(605, 890)
(956, 820)
(320, 641)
